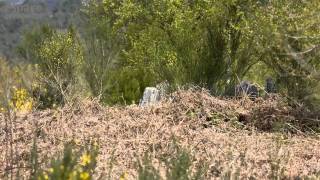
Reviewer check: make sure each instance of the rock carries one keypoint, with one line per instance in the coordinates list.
(270, 86)
(245, 88)
(151, 95)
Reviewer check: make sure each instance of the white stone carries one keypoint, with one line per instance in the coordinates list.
(151, 95)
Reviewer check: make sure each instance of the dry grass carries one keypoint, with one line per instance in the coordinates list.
(205, 125)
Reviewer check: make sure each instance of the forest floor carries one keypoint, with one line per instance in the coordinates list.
(250, 138)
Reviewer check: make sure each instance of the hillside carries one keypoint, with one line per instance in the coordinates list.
(18, 17)
(219, 132)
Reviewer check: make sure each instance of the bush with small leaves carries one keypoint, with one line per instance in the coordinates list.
(59, 58)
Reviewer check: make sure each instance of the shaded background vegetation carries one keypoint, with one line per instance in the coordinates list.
(114, 49)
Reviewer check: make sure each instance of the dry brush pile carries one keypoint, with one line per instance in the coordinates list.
(216, 131)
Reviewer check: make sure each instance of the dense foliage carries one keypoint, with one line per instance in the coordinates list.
(211, 43)
(124, 46)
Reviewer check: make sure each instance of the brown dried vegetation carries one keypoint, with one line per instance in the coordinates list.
(218, 132)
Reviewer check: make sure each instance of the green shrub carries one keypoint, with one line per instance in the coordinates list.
(59, 57)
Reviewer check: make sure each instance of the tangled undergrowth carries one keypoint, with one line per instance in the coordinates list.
(234, 138)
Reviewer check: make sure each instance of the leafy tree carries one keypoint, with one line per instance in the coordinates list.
(289, 39)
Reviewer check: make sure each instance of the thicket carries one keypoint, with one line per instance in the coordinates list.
(124, 46)
(213, 44)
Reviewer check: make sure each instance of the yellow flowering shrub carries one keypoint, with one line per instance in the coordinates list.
(85, 159)
(21, 100)
(58, 57)
(74, 165)
(14, 81)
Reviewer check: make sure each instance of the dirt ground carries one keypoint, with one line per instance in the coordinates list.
(229, 135)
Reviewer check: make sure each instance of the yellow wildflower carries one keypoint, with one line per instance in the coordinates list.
(50, 170)
(84, 176)
(46, 177)
(85, 159)
(124, 176)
